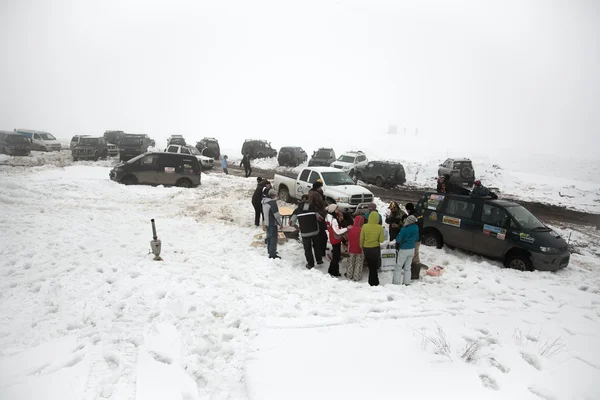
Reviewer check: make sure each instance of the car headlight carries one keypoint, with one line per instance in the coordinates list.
(343, 200)
(549, 249)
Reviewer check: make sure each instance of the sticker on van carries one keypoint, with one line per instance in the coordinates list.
(494, 231)
(525, 237)
(169, 170)
(451, 221)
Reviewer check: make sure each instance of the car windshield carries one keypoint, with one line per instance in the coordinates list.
(336, 178)
(322, 154)
(348, 159)
(16, 139)
(89, 141)
(462, 164)
(526, 219)
(47, 136)
(136, 158)
(194, 151)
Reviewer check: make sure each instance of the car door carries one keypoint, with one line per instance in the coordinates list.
(443, 169)
(37, 142)
(457, 222)
(368, 172)
(492, 230)
(302, 185)
(147, 169)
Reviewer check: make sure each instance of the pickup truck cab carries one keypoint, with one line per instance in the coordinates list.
(338, 188)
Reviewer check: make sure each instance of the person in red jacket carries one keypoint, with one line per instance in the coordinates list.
(356, 257)
(335, 238)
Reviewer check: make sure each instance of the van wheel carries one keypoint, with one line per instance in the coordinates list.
(129, 180)
(379, 181)
(520, 261)
(44, 149)
(433, 239)
(284, 194)
(184, 183)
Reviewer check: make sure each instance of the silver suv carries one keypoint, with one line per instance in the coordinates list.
(460, 170)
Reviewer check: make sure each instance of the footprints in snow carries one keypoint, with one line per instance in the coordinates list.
(489, 382)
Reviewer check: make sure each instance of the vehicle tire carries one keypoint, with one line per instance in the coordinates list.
(466, 172)
(379, 181)
(129, 180)
(433, 239)
(184, 183)
(44, 149)
(520, 261)
(96, 156)
(284, 194)
(75, 159)
(259, 155)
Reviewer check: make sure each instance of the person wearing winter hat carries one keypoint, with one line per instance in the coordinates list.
(372, 207)
(316, 197)
(481, 191)
(271, 221)
(406, 239)
(371, 238)
(394, 219)
(335, 238)
(257, 200)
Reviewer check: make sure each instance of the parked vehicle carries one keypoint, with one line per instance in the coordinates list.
(291, 156)
(381, 173)
(460, 170)
(338, 188)
(176, 139)
(14, 144)
(499, 229)
(40, 140)
(93, 148)
(209, 147)
(112, 149)
(258, 149)
(159, 168)
(133, 145)
(348, 162)
(206, 162)
(114, 136)
(323, 157)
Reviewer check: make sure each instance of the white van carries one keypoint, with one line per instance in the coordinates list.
(40, 140)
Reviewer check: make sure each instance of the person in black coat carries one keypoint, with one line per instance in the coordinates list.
(395, 219)
(257, 199)
(246, 164)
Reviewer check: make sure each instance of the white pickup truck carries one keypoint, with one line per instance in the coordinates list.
(338, 188)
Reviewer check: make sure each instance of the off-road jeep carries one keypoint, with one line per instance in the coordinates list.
(133, 145)
(90, 148)
(348, 162)
(460, 170)
(205, 162)
(209, 147)
(381, 173)
(258, 149)
(176, 139)
(291, 156)
(14, 144)
(323, 157)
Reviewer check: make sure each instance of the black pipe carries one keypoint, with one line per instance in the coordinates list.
(153, 230)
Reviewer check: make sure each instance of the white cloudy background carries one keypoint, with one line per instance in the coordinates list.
(466, 73)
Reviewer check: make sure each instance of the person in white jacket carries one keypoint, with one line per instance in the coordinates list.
(335, 238)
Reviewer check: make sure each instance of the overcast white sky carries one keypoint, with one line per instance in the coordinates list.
(522, 73)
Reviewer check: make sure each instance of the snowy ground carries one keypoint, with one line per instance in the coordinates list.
(87, 314)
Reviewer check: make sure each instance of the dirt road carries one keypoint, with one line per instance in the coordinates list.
(546, 212)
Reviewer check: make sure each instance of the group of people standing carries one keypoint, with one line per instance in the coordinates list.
(320, 224)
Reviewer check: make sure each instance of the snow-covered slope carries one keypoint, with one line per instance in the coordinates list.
(87, 314)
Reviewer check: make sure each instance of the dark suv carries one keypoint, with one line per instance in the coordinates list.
(156, 168)
(323, 157)
(258, 149)
(460, 170)
(90, 148)
(291, 156)
(209, 147)
(381, 173)
(499, 229)
(14, 144)
(176, 139)
(133, 145)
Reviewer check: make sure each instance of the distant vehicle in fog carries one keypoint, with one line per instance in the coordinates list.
(348, 161)
(258, 149)
(291, 156)
(460, 170)
(209, 147)
(206, 162)
(92, 148)
(133, 145)
(176, 139)
(323, 157)
(14, 144)
(381, 173)
(40, 140)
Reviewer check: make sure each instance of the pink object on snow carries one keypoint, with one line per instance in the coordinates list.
(435, 271)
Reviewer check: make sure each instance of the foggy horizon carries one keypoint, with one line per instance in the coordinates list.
(467, 75)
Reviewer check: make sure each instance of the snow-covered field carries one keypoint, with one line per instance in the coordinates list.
(87, 314)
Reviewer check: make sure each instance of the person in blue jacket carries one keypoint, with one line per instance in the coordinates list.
(406, 239)
(224, 165)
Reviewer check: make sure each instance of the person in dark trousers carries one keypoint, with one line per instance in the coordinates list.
(306, 216)
(317, 198)
(394, 219)
(257, 200)
(224, 165)
(441, 184)
(416, 261)
(246, 164)
(371, 238)
(272, 222)
(335, 238)
(481, 191)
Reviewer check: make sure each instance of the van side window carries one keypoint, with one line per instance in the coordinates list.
(148, 161)
(494, 216)
(36, 136)
(304, 175)
(460, 208)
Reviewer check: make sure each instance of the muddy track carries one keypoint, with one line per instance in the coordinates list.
(546, 212)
